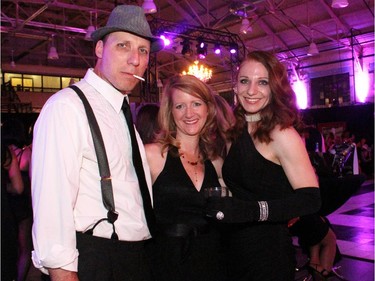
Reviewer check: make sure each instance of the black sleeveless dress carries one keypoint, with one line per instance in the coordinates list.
(188, 246)
(264, 250)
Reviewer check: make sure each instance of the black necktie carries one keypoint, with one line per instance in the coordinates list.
(137, 162)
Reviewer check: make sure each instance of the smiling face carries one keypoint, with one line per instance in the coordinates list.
(120, 55)
(189, 113)
(252, 88)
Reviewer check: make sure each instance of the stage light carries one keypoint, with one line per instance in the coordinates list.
(233, 48)
(90, 29)
(217, 49)
(52, 53)
(245, 26)
(12, 62)
(167, 41)
(201, 48)
(186, 50)
(313, 49)
(337, 4)
(149, 7)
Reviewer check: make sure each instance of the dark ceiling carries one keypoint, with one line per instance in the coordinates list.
(285, 27)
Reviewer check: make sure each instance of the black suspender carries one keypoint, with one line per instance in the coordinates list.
(106, 182)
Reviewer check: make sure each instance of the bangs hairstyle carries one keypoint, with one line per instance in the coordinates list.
(281, 110)
(195, 87)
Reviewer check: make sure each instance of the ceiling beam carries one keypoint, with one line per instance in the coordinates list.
(183, 13)
(271, 33)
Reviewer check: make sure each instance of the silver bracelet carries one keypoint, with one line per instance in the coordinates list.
(263, 210)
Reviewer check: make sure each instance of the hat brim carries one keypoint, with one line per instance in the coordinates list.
(157, 43)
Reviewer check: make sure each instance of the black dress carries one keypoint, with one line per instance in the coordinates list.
(187, 245)
(264, 250)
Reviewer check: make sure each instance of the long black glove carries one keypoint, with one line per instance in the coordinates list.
(232, 210)
(301, 202)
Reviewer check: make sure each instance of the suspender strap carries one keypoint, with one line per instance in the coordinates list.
(106, 182)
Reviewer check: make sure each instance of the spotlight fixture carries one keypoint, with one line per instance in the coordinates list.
(313, 49)
(339, 4)
(90, 29)
(186, 50)
(52, 53)
(245, 26)
(233, 48)
(217, 49)
(149, 7)
(166, 40)
(240, 7)
(12, 62)
(201, 49)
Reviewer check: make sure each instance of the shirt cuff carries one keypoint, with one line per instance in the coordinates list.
(58, 258)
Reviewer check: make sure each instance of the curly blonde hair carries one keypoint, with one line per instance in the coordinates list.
(167, 134)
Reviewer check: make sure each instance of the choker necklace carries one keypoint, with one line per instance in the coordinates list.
(253, 117)
(193, 163)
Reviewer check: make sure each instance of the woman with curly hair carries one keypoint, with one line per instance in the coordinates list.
(183, 162)
(268, 172)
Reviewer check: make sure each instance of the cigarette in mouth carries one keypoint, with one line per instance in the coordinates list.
(139, 77)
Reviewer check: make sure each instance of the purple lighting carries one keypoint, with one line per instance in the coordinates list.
(361, 83)
(233, 48)
(201, 49)
(167, 42)
(300, 90)
(217, 49)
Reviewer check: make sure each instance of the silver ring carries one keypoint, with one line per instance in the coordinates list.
(219, 215)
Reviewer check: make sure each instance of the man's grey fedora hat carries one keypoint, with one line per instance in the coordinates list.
(132, 19)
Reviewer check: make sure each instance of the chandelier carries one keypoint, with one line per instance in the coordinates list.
(200, 71)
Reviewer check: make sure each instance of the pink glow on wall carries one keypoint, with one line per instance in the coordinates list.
(362, 83)
(300, 90)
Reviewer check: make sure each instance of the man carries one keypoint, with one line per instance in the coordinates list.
(314, 140)
(66, 184)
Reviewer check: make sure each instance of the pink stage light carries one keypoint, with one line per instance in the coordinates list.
(362, 84)
(300, 90)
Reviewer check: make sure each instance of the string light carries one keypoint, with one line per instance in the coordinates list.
(200, 71)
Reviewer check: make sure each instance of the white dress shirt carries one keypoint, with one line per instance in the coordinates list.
(66, 189)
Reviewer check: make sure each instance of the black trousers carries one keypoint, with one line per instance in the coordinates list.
(103, 259)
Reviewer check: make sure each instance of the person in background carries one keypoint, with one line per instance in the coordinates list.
(365, 157)
(268, 172)
(11, 184)
(225, 121)
(184, 160)
(329, 141)
(14, 134)
(147, 122)
(314, 140)
(315, 235)
(348, 137)
(318, 241)
(73, 237)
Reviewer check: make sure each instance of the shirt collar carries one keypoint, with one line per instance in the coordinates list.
(110, 93)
